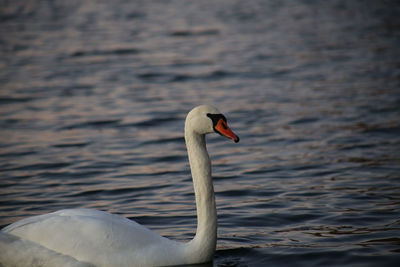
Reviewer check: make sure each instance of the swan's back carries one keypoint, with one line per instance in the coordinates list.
(97, 237)
(16, 251)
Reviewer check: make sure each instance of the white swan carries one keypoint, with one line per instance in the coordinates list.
(104, 239)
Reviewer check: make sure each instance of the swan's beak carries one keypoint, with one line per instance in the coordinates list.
(223, 129)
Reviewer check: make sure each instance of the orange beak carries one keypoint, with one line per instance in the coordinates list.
(224, 130)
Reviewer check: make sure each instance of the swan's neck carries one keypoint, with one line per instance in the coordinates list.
(204, 242)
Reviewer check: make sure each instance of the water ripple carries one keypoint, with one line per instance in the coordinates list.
(94, 96)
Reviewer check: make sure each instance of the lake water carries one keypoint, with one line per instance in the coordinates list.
(93, 97)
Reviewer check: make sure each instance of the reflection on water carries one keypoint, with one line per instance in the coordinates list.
(94, 95)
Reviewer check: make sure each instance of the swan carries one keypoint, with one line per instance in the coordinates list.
(103, 239)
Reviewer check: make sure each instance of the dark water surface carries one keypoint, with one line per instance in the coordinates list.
(93, 96)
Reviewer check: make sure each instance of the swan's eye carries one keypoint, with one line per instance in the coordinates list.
(216, 118)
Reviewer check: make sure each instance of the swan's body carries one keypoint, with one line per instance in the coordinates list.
(104, 239)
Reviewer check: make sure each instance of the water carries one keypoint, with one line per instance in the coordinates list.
(93, 96)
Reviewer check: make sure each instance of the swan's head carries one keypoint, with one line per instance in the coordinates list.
(206, 119)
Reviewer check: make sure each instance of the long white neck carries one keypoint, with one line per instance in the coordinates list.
(204, 243)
